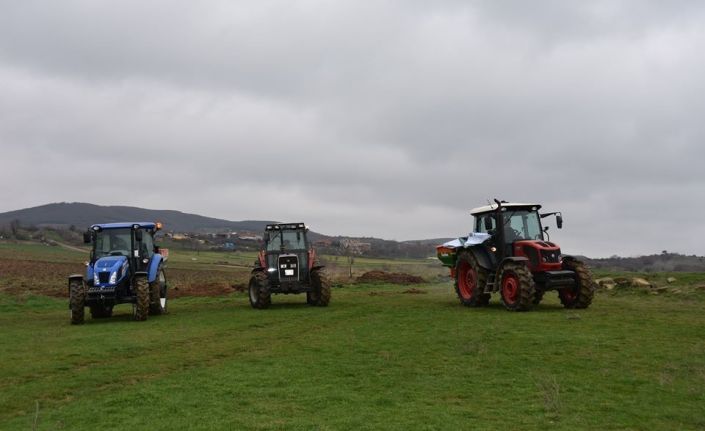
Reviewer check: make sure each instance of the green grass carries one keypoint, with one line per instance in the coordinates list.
(33, 251)
(377, 358)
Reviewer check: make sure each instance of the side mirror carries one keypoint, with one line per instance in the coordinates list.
(559, 221)
(266, 237)
(488, 223)
(87, 237)
(138, 235)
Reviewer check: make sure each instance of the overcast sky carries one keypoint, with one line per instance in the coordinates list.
(379, 118)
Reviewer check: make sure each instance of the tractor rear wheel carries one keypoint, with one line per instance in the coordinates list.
(77, 302)
(157, 294)
(321, 288)
(581, 295)
(517, 286)
(260, 297)
(140, 310)
(101, 311)
(470, 280)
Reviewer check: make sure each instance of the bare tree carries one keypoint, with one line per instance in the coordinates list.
(350, 249)
(14, 227)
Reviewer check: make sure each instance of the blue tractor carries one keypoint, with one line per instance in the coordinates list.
(125, 267)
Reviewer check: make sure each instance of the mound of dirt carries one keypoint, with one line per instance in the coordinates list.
(389, 277)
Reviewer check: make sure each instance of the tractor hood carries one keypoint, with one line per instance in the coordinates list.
(109, 263)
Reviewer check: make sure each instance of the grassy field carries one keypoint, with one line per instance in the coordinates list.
(380, 357)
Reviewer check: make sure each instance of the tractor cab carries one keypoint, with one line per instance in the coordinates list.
(118, 252)
(516, 231)
(128, 242)
(286, 252)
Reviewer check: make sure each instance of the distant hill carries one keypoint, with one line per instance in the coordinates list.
(664, 262)
(82, 215)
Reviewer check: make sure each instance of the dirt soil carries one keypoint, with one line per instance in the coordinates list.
(51, 279)
(389, 277)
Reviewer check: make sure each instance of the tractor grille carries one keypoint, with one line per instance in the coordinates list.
(288, 267)
(103, 277)
(552, 256)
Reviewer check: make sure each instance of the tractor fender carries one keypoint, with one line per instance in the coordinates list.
(482, 257)
(89, 272)
(157, 259)
(513, 259)
(570, 259)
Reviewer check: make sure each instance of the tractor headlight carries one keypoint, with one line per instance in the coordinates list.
(272, 270)
(96, 281)
(113, 277)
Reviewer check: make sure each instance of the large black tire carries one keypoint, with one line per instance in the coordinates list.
(77, 301)
(470, 281)
(517, 286)
(581, 295)
(158, 294)
(321, 288)
(101, 311)
(141, 306)
(311, 298)
(258, 290)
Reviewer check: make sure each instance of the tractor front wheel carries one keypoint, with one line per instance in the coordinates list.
(517, 286)
(311, 298)
(470, 280)
(260, 297)
(157, 294)
(140, 310)
(321, 289)
(77, 301)
(581, 295)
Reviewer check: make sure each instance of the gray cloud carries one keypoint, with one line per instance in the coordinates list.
(385, 118)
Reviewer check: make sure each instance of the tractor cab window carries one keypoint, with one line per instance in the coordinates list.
(275, 241)
(293, 240)
(480, 223)
(287, 239)
(113, 242)
(521, 224)
(146, 247)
